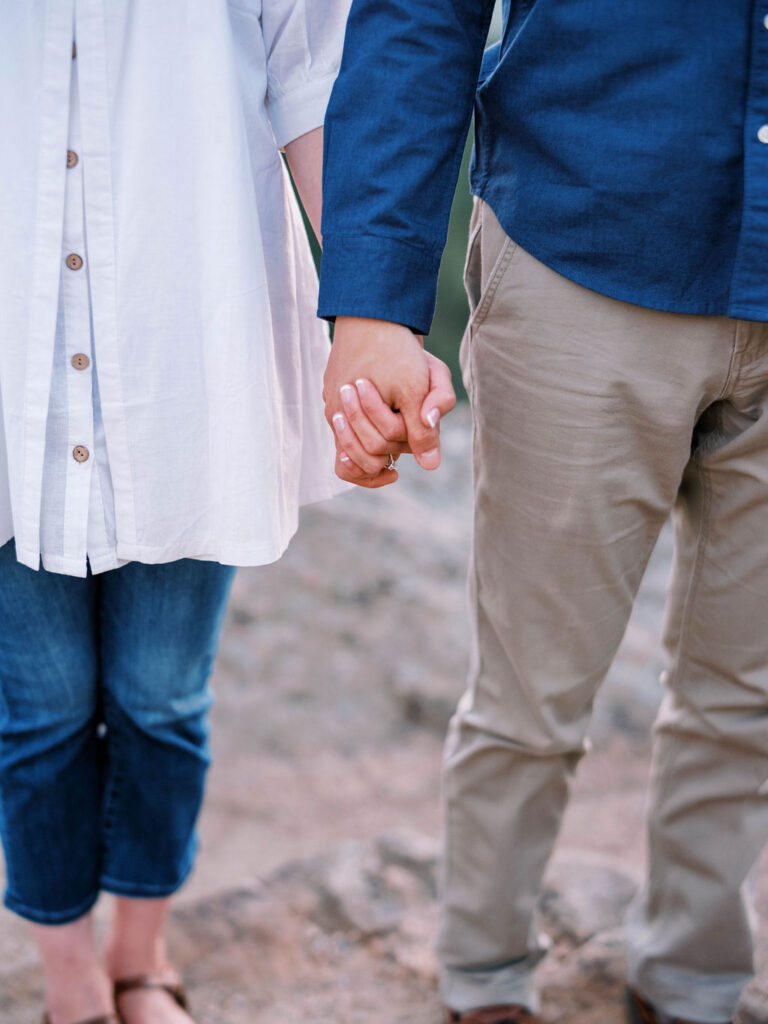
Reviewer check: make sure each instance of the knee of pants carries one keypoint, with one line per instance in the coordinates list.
(510, 716)
(731, 718)
(37, 716)
(472, 737)
(168, 716)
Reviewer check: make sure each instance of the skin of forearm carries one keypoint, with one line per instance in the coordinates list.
(305, 159)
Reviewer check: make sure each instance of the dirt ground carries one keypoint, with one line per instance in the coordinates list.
(314, 895)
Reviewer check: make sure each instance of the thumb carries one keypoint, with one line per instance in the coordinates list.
(441, 397)
(423, 439)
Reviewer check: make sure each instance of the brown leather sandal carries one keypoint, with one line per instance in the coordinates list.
(110, 1018)
(168, 983)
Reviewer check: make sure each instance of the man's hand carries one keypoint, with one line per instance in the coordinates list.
(374, 356)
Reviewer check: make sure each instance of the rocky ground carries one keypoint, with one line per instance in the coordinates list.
(314, 898)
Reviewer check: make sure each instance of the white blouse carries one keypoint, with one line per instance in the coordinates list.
(160, 359)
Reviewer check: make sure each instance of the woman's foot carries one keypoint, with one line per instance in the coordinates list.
(136, 948)
(77, 988)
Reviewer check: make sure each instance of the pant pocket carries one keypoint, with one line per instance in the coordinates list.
(473, 284)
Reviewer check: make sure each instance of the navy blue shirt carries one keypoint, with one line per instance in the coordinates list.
(624, 144)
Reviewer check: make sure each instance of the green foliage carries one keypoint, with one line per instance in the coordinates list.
(452, 309)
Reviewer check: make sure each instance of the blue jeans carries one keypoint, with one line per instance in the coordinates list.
(103, 739)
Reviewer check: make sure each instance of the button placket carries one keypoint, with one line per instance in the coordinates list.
(77, 364)
(747, 284)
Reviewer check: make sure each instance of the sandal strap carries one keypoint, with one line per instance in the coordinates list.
(171, 985)
(109, 1018)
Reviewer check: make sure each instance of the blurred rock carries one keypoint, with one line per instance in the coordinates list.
(583, 894)
(424, 695)
(585, 983)
(351, 893)
(412, 850)
(754, 1006)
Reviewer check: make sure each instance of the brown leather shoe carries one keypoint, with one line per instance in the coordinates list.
(513, 1013)
(641, 1012)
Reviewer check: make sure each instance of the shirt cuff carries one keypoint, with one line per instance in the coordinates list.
(378, 278)
(297, 112)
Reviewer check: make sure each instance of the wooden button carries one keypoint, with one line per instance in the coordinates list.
(80, 361)
(74, 49)
(81, 453)
(72, 158)
(73, 261)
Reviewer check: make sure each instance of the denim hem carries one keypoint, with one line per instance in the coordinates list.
(48, 916)
(143, 890)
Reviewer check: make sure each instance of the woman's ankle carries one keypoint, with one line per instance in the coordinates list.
(136, 942)
(76, 985)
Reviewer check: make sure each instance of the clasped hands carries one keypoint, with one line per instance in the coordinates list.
(384, 396)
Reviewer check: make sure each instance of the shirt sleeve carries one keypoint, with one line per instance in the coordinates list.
(394, 136)
(303, 41)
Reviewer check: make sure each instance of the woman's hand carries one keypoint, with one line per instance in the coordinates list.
(369, 433)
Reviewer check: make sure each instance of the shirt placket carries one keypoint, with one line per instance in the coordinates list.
(74, 300)
(748, 280)
(99, 206)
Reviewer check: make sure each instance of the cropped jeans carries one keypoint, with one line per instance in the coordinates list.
(103, 740)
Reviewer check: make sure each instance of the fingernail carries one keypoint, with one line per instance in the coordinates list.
(343, 457)
(431, 454)
(346, 393)
(433, 418)
(360, 384)
(339, 422)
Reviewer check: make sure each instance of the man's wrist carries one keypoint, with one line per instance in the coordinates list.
(373, 332)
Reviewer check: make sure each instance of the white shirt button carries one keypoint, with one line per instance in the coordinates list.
(763, 133)
(765, 21)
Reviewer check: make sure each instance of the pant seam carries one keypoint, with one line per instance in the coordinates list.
(448, 776)
(693, 586)
(110, 794)
(730, 373)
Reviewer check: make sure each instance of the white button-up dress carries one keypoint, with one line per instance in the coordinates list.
(160, 359)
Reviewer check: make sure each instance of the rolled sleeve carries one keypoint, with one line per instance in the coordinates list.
(301, 110)
(303, 40)
(380, 279)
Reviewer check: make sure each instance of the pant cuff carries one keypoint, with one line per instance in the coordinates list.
(468, 989)
(689, 996)
(50, 917)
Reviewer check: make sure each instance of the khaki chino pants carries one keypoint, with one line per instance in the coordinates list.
(593, 419)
